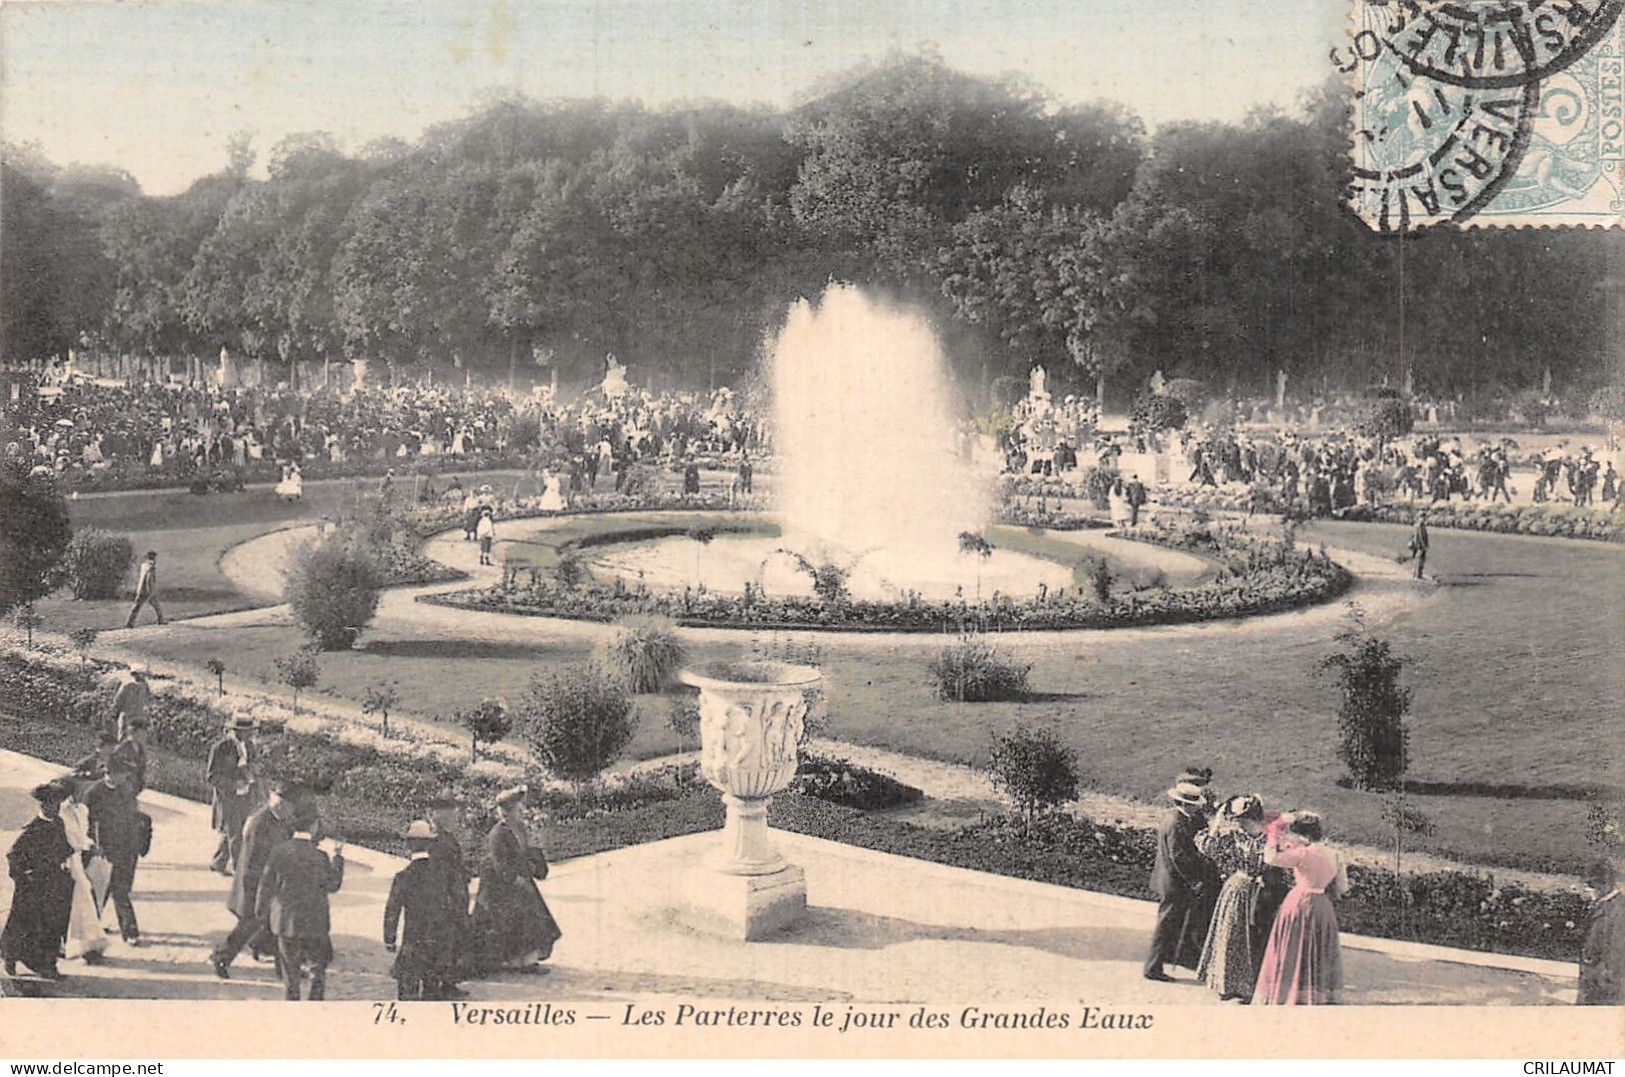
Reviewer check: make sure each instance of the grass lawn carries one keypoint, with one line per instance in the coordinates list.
(1519, 691)
(190, 534)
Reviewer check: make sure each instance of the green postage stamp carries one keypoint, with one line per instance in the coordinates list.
(1487, 113)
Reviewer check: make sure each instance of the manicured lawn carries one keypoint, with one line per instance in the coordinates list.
(1519, 691)
(191, 533)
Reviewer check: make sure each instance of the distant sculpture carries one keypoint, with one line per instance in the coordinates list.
(1035, 383)
(614, 383)
(1280, 388)
(1159, 384)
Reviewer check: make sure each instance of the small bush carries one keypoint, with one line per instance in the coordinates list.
(487, 722)
(298, 671)
(334, 590)
(1154, 414)
(95, 563)
(577, 721)
(1035, 769)
(1382, 417)
(971, 670)
(644, 654)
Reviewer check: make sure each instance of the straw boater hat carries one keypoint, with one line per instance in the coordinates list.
(419, 829)
(508, 796)
(1187, 795)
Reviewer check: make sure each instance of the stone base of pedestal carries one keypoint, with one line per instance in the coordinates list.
(744, 907)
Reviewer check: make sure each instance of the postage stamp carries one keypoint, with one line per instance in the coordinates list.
(1489, 114)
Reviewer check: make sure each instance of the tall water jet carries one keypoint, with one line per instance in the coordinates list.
(865, 437)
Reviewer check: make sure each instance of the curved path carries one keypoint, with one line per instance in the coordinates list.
(959, 793)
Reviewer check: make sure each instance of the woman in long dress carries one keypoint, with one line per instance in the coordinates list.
(552, 493)
(1234, 841)
(86, 939)
(511, 921)
(1303, 962)
(1117, 503)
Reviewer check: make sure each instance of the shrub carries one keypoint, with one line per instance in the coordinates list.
(841, 782)
(1382, 417)
(1372, 738)
(1154, 414)
(1097, 485)
(298, 671)
(334, 590)
(644, 653)
(577, 721)
(1035, 769)
(95, 563)
(1188, 391)
(971, 670)
(1531, 407)
(487, 722)
(34, 534)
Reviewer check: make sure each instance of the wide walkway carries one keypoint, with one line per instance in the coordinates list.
(881, 929)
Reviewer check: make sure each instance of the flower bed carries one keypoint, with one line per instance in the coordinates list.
(372, 787)
(1261, 577)
(1547, 520)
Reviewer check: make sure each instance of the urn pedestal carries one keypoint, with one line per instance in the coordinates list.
(751, 718)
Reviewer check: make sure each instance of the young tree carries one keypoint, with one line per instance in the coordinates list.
(1037, 771)
(1371, 718)
(334, 590)
(380, 700)
(487, 722)
(299, 670)
(218, 668)
(83, 639)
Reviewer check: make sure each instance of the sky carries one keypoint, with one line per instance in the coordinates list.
(158, 87)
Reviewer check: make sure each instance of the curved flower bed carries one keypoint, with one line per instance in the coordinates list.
(1547, 520)
(1256, 577)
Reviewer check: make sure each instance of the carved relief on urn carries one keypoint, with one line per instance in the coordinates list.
(751, 719)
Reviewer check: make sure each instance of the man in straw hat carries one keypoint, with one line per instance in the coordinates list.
(1184, 881)
(42, 892)
(231, 778)
(266, 829)
(425, 965)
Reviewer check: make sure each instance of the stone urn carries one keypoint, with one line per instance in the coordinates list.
(751, 719)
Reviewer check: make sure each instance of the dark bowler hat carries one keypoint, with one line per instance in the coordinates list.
(49, 793)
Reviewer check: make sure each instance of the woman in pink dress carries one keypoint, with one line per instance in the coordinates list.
(1303, 962)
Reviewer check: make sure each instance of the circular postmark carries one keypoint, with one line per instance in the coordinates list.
(1494, 44)
(1427, 152)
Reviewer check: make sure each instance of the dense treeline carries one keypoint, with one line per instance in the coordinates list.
(1030, 231)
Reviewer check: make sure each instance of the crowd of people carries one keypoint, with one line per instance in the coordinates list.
(81, 429)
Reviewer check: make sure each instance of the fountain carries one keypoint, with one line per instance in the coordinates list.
(867, 473)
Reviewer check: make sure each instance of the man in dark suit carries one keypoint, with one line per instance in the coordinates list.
(231, 777)
(426, 962)
(115, 826)
(1183, 879)
(42, 889)
(266, 829)
(292, 901)
(1419, 542)
(447, 851)
(1134, 491)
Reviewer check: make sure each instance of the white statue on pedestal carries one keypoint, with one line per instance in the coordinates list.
(614, 384)
(1035, 384)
